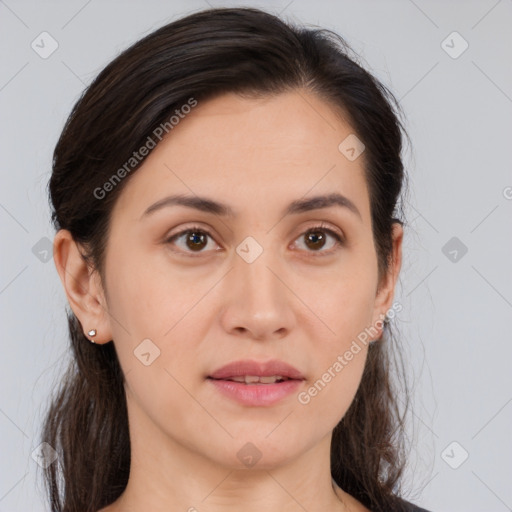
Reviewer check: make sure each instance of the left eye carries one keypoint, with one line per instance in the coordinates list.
(196, 239)
(316, 237)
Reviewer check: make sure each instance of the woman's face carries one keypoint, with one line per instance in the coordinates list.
(250, 285)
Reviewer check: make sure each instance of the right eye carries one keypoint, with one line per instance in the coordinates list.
(193, 240)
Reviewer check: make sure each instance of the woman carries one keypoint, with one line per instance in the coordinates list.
(224, 197)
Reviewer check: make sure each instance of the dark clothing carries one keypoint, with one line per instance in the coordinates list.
(411, 507)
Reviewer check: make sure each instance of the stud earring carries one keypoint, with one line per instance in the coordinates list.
(92, 333)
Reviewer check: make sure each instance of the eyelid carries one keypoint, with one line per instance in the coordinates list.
(322, 225)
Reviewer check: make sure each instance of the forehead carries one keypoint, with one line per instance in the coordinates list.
(252, 151)
(284, 124)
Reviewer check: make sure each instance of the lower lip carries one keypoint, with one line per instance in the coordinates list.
(257, 394)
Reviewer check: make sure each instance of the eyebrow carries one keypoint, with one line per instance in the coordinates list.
(207, 205)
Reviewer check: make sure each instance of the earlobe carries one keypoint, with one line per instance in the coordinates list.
(82, 287)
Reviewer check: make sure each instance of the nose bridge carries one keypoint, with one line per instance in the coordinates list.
(256, 299)
(255, 270)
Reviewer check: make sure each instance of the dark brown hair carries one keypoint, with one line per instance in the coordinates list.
(200, 56)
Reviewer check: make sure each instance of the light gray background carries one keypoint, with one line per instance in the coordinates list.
(455, 324)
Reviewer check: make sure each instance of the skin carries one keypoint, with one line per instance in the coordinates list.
(204, 311)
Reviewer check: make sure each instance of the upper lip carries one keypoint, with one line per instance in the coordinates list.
(256, 368)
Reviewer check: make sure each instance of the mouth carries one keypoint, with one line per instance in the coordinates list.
(256, 379)
(250, 371)
(253, 383)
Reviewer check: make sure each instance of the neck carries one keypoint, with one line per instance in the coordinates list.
(167, 475)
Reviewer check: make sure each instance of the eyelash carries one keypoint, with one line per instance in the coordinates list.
(323, 228)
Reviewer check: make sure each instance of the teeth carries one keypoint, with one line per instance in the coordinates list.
(254, 379)
(269, 380)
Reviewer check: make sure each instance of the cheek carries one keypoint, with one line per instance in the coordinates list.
(158, 321)
(148, 297)
(339, 342)
(329, 396)
(343, 306)
(339, 362)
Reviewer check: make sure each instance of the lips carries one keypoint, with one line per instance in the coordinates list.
(257, 384)
(254, 372)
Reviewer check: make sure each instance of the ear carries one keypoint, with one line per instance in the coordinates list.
(386, 289)
(83, 288)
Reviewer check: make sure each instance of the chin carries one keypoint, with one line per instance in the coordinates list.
(259, 453)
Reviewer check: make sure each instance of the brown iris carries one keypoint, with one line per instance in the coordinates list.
(314, 237)
(197, 239)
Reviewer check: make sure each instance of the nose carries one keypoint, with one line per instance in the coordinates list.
(257, 302)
